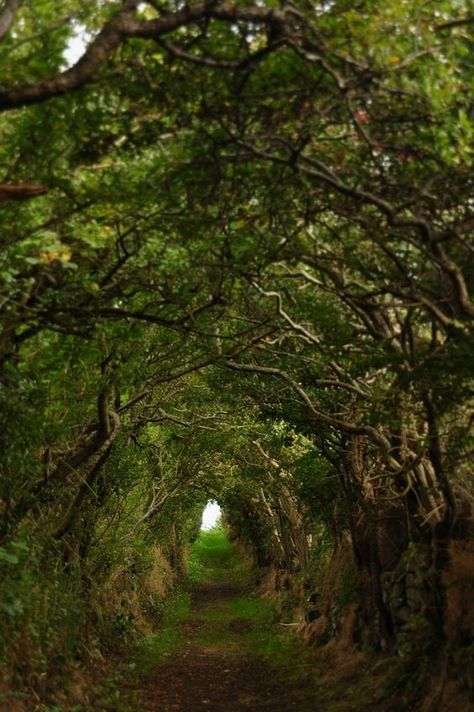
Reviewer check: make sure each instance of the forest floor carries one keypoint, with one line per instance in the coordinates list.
(219, 647)
(220, 650)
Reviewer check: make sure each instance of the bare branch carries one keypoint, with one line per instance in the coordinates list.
(195, 366)
(88, 477)
(21, 191)
(457, 22)
(318, 170)
(204, 60)
(342, 425)
(297, 327)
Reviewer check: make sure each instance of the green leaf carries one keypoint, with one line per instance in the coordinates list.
(8, 557)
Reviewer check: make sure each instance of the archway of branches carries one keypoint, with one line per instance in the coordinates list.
(237, 267)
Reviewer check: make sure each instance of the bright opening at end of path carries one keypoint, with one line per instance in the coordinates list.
(210, 516)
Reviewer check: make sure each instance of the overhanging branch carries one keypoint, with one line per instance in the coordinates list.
(124, 25)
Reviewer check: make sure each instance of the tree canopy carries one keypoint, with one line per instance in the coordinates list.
(237, 264)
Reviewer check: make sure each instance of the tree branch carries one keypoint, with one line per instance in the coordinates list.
(457, 22)
(21, 191)
(342, 425)
(7, 16)
(88, 478)
(124, 26)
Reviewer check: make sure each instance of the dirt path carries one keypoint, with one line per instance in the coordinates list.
(223, 651)
(215, 670)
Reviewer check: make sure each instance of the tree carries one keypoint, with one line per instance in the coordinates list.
(275, 200)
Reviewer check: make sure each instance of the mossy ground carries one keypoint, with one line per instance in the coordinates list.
(243, 620)
(220, 647)
(219, 616)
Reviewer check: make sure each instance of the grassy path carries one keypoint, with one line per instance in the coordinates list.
(223, 652)
(220, 648)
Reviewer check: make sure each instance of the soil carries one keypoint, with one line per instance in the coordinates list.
(220, 676)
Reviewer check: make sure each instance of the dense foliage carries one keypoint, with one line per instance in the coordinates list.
(236, 265)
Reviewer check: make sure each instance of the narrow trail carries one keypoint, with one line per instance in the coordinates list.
(215, 669)
(231, 656)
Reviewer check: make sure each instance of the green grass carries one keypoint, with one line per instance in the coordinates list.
(246, 624)
(259, 611)
(262, 635)
(212, 557)
(215, 559)
(155, 648)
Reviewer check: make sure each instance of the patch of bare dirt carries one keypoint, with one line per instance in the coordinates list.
(214, 591)
(202, 677)
(240, 625)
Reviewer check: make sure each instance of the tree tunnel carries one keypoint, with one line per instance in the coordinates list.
(237, 269)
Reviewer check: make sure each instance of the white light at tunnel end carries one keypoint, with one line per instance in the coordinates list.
(210, 516)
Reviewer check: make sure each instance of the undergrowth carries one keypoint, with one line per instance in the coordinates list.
(119, 689)
(155, 648)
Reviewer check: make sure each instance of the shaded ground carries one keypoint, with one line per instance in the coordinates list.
(221, 648)
(226, 655)
(215, 668)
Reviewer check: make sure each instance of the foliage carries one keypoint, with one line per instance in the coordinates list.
(236, 266)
